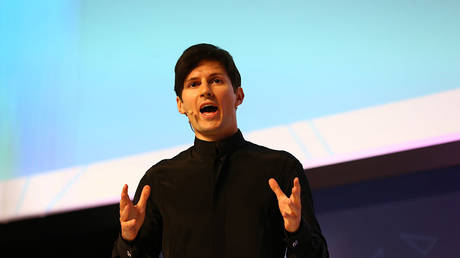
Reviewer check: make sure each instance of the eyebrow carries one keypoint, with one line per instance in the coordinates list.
(211, 75)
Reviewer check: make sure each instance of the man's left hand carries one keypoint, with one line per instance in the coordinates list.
(290, 207)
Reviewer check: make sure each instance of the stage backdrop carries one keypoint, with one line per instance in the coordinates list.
(87, 101)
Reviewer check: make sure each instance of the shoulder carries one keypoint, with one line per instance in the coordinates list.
(264, 158)
(279, 164)
(167, 164)
(268, 153)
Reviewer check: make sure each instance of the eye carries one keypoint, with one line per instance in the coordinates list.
(193, 84)
(216, 80)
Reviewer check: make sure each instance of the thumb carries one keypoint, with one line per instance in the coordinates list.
(276, 188)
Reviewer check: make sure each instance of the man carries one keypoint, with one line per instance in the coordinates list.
(224, 196)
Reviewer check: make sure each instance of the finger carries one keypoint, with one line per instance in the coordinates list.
(289, 214)
(124, 200)
(144, 197)
(276, 188)
(293, 206)
(296, 192)
(124, 214)
(128, 224)
(124, 190)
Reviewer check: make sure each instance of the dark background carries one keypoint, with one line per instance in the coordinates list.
(400, 205)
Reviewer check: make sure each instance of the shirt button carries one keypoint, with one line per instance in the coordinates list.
(129, 253)
(295, 243)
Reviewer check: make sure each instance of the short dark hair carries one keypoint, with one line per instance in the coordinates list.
(195, 54)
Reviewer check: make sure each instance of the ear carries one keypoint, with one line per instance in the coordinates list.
(239, 96)
(180, 105)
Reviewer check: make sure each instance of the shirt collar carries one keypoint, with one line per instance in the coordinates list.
(218, 148)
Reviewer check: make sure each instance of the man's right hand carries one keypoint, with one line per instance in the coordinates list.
(132, 216)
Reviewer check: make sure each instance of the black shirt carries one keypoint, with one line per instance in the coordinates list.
(213, 200)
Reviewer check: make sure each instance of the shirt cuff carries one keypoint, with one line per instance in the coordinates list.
(302, 236)
(126, 249)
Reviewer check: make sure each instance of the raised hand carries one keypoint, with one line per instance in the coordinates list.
(290, 207)
(132, 216)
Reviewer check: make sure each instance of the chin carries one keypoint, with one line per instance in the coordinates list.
(210, 126)
(211, 131)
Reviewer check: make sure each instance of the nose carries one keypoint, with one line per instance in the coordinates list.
(206, 90)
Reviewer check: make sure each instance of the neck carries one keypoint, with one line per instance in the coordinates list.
(215, 138)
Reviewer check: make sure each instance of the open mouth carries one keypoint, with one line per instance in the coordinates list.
(208, 109)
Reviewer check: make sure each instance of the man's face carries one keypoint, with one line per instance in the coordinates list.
(209, 101)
